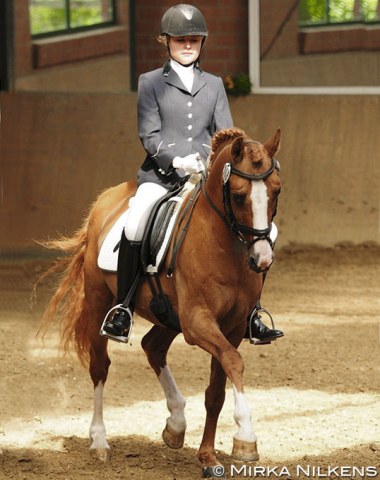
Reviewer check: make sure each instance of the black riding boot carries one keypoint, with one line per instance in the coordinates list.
(257, 331)
(119, 327)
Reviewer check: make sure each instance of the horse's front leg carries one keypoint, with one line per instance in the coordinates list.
(224, 351)
(156, 344)
(214, 400)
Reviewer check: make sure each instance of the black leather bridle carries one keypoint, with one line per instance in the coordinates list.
(228, 216)
(239, 229)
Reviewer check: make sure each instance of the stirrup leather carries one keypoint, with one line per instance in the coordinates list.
(117, 338)
(252, 339)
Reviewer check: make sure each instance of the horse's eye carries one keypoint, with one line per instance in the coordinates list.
(239, 199)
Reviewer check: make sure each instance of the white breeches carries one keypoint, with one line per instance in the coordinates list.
(139, 210)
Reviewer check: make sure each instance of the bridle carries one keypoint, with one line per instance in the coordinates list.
(228, 216)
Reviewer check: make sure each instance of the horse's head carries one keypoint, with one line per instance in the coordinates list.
(250, 185)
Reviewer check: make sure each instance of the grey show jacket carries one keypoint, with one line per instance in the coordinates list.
(174, 122)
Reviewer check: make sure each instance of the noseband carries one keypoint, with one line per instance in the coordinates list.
(228, 217)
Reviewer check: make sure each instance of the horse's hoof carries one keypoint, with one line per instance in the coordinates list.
(102, 454)
(217, 471)
(244, 451)
(172, 438)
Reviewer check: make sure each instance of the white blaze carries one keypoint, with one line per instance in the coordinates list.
(259, 199)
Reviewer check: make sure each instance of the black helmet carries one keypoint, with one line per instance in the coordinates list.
(182, 20)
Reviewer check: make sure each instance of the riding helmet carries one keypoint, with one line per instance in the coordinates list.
(183, 20)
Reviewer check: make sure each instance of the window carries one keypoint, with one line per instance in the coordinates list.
(295, 74)
(332, 12)
(51, 17)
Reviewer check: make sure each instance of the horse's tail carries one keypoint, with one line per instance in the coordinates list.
(69, 300)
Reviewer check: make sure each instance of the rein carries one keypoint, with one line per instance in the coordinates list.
(187, 211)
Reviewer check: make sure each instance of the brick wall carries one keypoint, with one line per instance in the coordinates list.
(226, 50)
(81, 46)
(341, 39)
(30, 54)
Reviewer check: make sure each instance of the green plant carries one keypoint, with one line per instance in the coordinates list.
(237, 84)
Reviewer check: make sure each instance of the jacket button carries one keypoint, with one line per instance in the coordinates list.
(189, 127)
(189, 104)
(189, 139)
(190, 115)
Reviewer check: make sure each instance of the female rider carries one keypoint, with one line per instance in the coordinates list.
(180, 107)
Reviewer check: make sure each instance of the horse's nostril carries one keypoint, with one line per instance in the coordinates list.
(261, 262)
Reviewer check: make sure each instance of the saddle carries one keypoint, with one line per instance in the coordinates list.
(157, 236)
(158, 233)
(160, 227)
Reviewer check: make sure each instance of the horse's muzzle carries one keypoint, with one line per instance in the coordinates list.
(261, 256)
(254, 266)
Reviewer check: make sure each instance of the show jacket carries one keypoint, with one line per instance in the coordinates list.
(174, 122)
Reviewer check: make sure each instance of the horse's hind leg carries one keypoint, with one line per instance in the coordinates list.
(99, 300)
(99, 364)
(156, 344)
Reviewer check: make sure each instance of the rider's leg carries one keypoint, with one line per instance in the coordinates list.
(256, 329)
(129, 257)
(127, 271)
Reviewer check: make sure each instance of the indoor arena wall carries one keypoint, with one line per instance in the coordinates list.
(59, 151)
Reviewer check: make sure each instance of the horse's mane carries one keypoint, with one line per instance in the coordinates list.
(222, 138)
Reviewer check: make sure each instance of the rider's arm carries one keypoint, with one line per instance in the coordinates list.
(222, 114)
(149, 125)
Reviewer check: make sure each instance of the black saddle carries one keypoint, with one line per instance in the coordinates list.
(154, 248)
(152, 251)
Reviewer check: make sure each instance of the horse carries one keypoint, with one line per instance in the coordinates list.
(217, 280)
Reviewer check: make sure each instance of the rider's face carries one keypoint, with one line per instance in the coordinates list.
(185, 50)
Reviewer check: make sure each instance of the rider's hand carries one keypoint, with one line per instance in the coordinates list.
(190, 164)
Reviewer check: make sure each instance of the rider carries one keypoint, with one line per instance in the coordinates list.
(179, 107)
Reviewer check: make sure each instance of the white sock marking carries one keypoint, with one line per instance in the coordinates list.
(98, 429)
(242, 416)
(174, 400)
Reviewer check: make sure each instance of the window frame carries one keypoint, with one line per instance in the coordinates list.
(254, 67)
(70, 30)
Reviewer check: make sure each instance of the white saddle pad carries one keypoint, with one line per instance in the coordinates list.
(107, 258)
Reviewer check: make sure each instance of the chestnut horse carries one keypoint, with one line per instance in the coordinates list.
(216, 282)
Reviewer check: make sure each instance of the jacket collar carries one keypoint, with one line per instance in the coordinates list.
(173, 79)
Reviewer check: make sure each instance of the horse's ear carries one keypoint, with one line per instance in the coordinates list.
(273, 144)
(237, 149)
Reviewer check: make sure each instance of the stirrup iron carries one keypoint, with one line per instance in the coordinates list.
(253, 340)
(117, 338)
